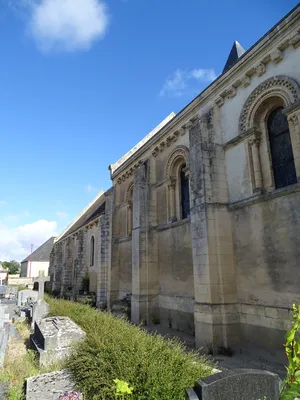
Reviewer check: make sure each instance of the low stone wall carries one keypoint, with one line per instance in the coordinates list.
(12, 280)
(48, 386)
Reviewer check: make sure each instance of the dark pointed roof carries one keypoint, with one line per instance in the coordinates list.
(42, 253)
(235, 53)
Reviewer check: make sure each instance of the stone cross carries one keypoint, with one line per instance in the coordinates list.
(41, 280)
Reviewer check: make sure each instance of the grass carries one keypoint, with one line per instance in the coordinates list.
(20, 363)
(155, 367)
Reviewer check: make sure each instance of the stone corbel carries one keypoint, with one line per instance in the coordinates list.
(254, 143)
(155, 151)
(277, 56)
(295, 40)
(219, 101)
(260, 69)
(246, 81)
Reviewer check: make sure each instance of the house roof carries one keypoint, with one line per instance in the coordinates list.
(92, 211)
(42, 253)
(235, 53)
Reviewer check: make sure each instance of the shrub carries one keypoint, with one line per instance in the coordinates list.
(291, 385)
(114, 349)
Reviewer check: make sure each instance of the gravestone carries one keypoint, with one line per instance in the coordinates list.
(237, 384)
(26, 297)
(40, 309)
(54, 337)
(48, 386)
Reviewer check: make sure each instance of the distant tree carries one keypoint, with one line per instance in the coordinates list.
(13, 266)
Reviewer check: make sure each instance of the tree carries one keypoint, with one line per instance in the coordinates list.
(13, 266)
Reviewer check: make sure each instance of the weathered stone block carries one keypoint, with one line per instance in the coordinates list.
(236, 385)
(48, 386)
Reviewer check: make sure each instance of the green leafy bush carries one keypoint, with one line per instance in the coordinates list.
(291, 384)
(114, 349)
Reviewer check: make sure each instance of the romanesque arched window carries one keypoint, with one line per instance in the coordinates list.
(177, 174)
(270, 121)
(283, 165)
(184, 193)
(92, 251)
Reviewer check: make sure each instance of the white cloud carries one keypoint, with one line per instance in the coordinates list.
(90, 188)
(15, 242)
(11, 218)
(62, 215)
(63, 25)
(187, 81)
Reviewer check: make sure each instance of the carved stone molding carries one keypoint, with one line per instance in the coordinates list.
(260, 69)
(281, 86)
(180, 152)
(295, 40)
(173, 137)
(275, 56)
(246, 81)
(129, 172)
(294, 119)
(128, 194)
(255, 139)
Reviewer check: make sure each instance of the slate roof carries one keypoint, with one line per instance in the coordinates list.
(235, 53)
(42, 253)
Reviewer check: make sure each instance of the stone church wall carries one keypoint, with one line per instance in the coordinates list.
(176, 299)
(266, 238)
(125, 265)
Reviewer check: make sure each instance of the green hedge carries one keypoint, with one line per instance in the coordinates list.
(157, 368)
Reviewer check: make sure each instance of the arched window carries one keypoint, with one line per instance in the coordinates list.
(184, 193)
(92, 251)
(281, 149)
(177, 174)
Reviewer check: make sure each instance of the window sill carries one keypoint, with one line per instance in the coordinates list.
(123, 239)
(173, 224)
(258, 198)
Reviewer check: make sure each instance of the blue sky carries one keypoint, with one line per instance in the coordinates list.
(82, 81)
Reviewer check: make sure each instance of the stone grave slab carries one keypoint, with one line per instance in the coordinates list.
(26, 297)
(237, 384)
(48, 386)
(54, 338)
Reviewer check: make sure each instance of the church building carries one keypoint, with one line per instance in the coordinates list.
(200, 229)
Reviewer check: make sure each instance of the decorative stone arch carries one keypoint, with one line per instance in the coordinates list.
(273, 93)
(129, 203)
(174, 174)
(128, 194)
(283, 87)
(180, 153)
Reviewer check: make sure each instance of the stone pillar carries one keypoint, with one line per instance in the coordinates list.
(139, 299)
(215, 309)
(294, 125)
(129, 217)
(254, 143)
(113, 250)
(145, 275)
(104, 253)
(172, 202)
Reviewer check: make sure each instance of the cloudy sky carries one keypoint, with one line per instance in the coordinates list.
(82, 81)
